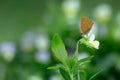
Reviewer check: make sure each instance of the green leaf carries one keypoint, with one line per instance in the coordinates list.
(75, 69)
(76, 52)
(73, 60)
(65, 74)
(83, 75)
(84, 60)
(81, 62)
(54, 67)
(58, 49)
(95, 74)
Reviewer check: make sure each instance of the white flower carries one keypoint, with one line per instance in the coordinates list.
(103, 13)
(56, 77)
(8, 50)
(42, 42)
(94, 43)
(92, 37)
(34, 77)
(82, 55)
(27, 41)
(71, 7)
(43, 57)
(90, 41)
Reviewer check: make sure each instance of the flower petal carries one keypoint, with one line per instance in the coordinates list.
(95, 44)
(92, 37)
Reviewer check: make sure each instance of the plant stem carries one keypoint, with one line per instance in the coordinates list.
(78, 75)
(71, 76)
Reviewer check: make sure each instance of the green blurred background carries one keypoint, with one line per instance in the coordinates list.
(27, 26)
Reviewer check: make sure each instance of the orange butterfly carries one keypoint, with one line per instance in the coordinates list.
(85, 25)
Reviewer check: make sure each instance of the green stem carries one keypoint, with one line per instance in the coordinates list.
(78, 75)
(76, 59)
(76, 53)
(72, 78)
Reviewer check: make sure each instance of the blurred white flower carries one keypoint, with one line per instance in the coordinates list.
(90, 41)
(92, 37)
(56, 77)
(42, 42)
(33, 77)
(27, 42)
(8, 50)
(43, 57)
(82, 55)
(103, 13)
(94, 44)
(71, 8)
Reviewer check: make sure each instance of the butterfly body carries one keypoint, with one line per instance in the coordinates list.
(85, 25)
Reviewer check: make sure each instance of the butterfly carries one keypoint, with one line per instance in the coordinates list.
(85, 25)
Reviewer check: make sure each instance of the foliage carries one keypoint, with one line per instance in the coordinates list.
(70, 67)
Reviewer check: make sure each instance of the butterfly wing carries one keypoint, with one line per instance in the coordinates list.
(86, 25)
